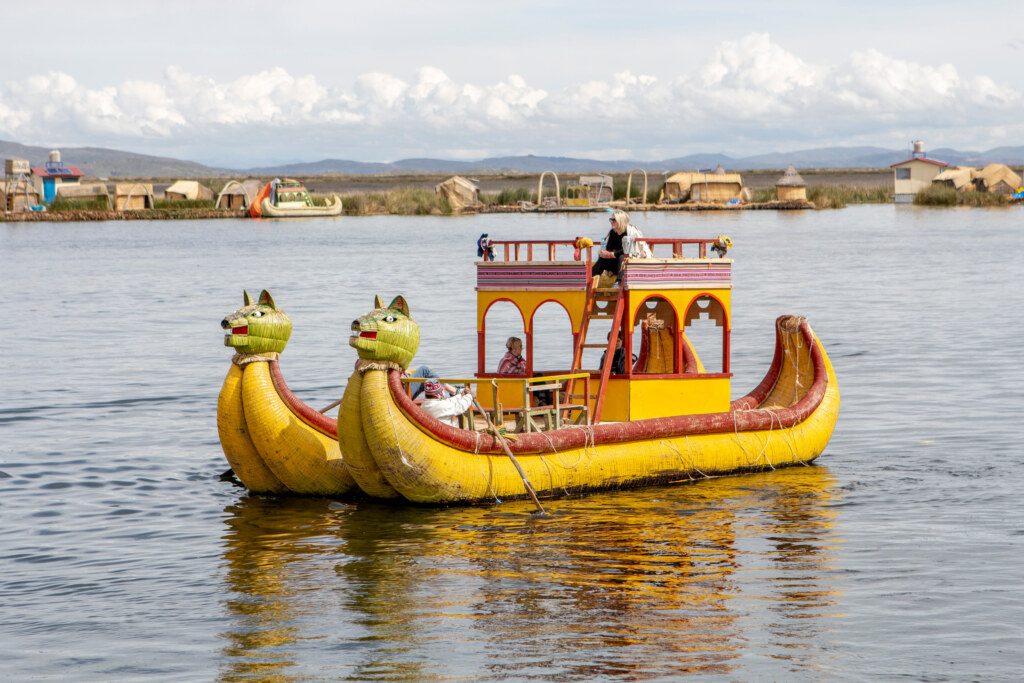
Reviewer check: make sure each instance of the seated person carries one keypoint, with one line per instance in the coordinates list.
(445, 409)
(416, 388)
(621, 241)
(619, 358)
(512, 363)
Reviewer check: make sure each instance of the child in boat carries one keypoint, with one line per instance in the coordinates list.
(512, 363)
(445, 409)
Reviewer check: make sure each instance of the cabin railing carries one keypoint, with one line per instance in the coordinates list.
(560, 409)
(511, 251)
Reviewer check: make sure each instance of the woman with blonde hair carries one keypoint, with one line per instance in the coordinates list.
(622, 240)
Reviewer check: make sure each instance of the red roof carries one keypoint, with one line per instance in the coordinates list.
(926, 160)
(73, 172)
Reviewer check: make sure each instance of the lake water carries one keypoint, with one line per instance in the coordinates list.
(124, 556)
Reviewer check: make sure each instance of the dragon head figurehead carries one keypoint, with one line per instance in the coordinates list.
(386, 334)
(257, 328)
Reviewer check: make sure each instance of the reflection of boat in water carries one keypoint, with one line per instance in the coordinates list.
(290, 199)
(274, 442)
(663, 418)
(717, 577)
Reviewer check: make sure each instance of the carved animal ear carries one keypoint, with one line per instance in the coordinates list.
(265, 298)
(377, 301)
(246, 298)
(399, 304)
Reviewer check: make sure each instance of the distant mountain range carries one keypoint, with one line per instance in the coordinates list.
(110, 163)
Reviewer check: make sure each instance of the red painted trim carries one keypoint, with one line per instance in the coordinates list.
(623, 432)
(934, 162)
(314, 418)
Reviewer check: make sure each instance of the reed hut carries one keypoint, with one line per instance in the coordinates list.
(20, 195)
(188, 190)
(460, 193)
(238, 194)
(960, 178)
(133, 196)
(717, 186)
(677, 187)
(791, 187)
(997, 178)
(85, 192)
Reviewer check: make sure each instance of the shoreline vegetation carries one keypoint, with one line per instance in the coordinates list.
(412, 195)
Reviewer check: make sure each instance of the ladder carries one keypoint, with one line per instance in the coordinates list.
(614, 312)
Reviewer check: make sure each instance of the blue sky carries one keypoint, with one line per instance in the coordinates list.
(258, 82)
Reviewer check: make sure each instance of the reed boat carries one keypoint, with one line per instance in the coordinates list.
(289, 198)
(661, 418)
(274, 443)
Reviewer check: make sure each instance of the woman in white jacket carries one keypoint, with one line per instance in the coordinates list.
(624, 239)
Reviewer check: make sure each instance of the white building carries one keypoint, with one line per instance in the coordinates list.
(914, 174)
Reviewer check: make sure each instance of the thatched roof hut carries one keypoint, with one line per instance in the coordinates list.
(133, 196)
(238, 194)
(677, 187)
(85, 191)
(717, 186)
(998, 178)
(791, 187)
(19, 196)
(960, 178)
(460, 193)
(187, 190)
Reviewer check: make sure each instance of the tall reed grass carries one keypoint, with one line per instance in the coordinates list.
(403, 201)
(838, 196)
(941, 195)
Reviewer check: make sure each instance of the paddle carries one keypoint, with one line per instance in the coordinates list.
(508, 452)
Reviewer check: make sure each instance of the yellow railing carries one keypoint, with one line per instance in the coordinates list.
(551, 413)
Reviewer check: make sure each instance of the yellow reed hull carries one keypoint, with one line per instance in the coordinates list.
(304, 459)
(424, 469)
(358, 457)
(236, 442)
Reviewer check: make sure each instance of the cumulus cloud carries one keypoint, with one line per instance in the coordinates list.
(748, 91)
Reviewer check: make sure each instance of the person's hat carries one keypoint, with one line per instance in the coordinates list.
(432, 388)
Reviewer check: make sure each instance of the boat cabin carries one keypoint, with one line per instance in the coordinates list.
(628, 352)
(290, 194)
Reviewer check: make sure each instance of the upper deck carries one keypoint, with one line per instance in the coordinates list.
(556, 265)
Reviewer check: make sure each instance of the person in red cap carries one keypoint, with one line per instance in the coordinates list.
(445, 409)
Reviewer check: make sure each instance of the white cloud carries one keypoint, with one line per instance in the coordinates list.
(749, 92)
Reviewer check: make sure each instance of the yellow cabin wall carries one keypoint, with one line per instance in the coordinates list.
(616, 400)
(679, 298)
(668, 397)
(529, 302)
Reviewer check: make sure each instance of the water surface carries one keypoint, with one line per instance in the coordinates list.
(125, 556)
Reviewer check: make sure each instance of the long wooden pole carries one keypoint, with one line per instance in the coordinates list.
(508, 452)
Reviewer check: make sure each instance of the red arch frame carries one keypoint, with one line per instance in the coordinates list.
(726, 326)
(481, 337)
(677, 344)
(529, 335)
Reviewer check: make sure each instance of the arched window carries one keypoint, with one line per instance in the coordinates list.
(502, 320)
(706, 327)
(552, 341)
(655, 332)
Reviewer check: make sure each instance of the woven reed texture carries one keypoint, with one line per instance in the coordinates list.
(426, 470)
(358, 458)
(304, 459)
(235, 441)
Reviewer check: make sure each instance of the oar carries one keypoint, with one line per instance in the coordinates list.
(508, 452)
(324, 410)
